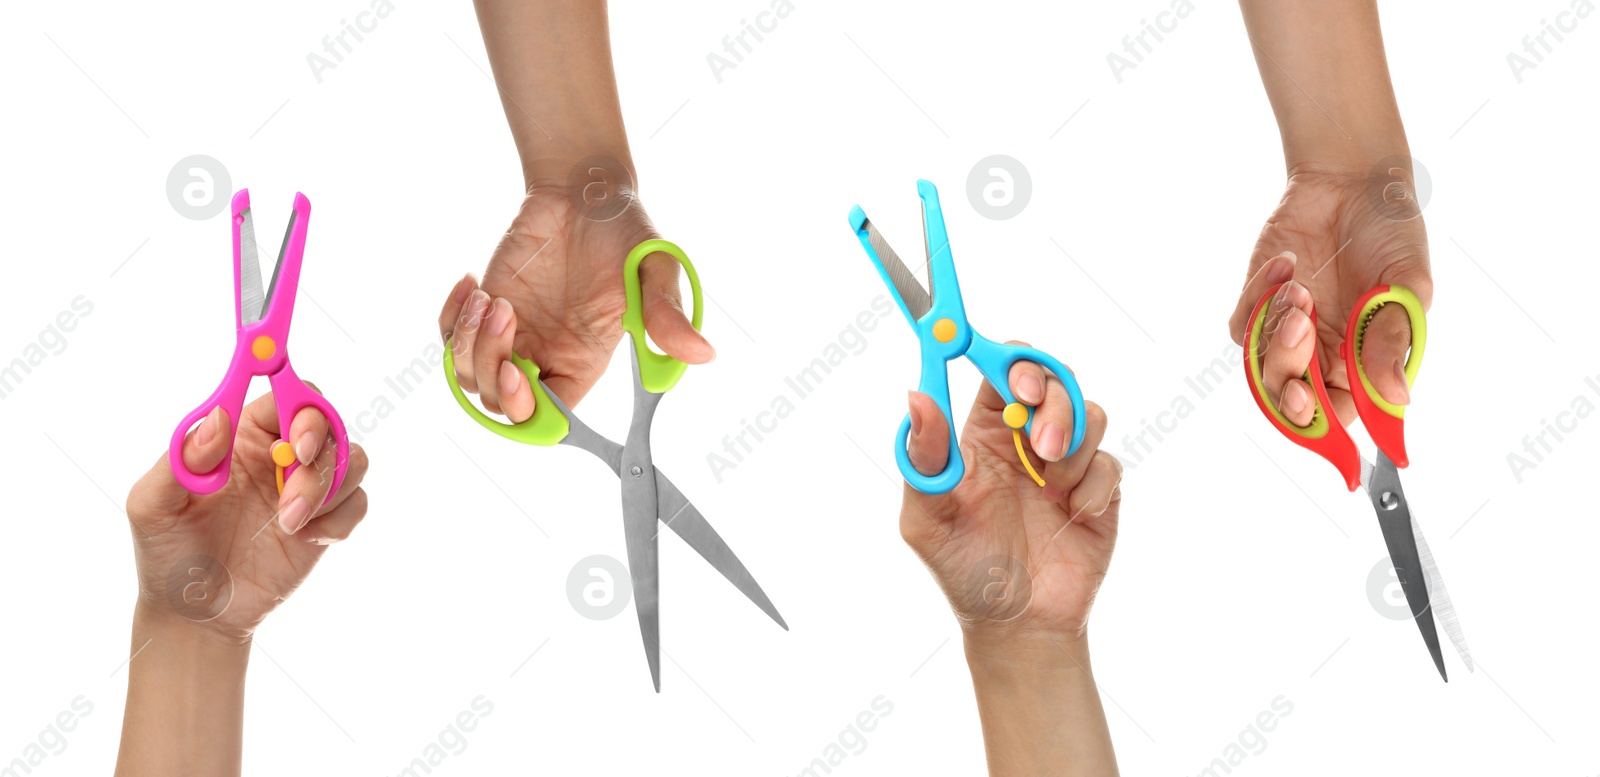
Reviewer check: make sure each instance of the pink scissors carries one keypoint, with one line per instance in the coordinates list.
(263, 335)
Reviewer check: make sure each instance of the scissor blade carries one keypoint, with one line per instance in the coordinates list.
(1394, 518)
(905, 282)
(644, 568)
(644, 565)
(927, 253)
(252, 301)
(680, 515)
(639, 508)
(283, 249)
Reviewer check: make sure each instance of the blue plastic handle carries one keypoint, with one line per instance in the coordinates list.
(994, 360)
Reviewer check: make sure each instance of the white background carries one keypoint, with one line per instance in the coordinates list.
(1232, 583)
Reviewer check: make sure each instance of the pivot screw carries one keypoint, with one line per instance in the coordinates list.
(1389, 501)
(636, 472)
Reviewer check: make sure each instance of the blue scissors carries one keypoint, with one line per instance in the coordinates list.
(938, 317)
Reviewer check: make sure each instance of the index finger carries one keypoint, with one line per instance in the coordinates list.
(453, 304)
(1272, 272)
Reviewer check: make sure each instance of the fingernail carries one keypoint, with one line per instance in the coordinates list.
(501, 317)
(472, 314)
(295, 515)
(916, 413)
(1286, 296)
(305, 449)
(1052, 442)
(1294, 398)
(207, 430)
(1295, 327)
(1281, 270)
(1404, 395)
(1030, 389)
(508, 379)
(463, 289)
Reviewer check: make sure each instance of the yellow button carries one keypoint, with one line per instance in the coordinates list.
(263, 348)
(944, 330)
(1016, 415)
(282, 454)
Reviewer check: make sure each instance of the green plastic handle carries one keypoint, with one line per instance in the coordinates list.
(658, 372)
(547, 426)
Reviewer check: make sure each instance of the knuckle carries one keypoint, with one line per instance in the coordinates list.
(1107, 464)
(1094, 415)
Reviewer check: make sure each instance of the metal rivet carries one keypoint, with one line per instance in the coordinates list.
(636, 472)
(1389, 500)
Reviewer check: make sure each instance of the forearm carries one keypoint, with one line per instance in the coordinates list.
(1325, 72)
(185, 710)
(552, 64)
(1040, 709)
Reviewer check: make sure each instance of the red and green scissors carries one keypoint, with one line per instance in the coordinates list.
(1385, 422)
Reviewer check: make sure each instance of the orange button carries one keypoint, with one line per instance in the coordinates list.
(944, 330)
(1015, 415)
(263, 348)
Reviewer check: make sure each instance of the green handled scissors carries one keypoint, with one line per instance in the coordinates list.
(647, 495)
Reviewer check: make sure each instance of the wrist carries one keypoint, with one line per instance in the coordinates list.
(598, 160)
(1033, 654)
(196, 641)
(1328, 151)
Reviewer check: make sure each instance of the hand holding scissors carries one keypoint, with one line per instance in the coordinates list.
(648, 497)
(939, 318)
(1326, 436)
(262, 319)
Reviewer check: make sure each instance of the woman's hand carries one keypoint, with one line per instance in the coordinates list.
(223, 561)
(1334, 237)
(1016, 561)
(211, 567)
(553, 293)
(1020, 565)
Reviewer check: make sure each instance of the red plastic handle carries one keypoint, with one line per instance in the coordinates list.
(1386, 426)
(1326, 436)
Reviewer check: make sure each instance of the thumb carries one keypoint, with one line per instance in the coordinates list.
(1388, 339)
(928, 445)
(664, 318)
(158, 495)
(1383, 354)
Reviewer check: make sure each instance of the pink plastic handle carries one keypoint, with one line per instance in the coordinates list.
(230, 397)
(291, 396)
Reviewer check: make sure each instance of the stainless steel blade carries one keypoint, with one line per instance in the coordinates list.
(905, 282)
(579, 435)
(1394, 518)
(927, 253)
(680, 515)
(675, 511)
(639, 510)
(251, 298)
(283, 249)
